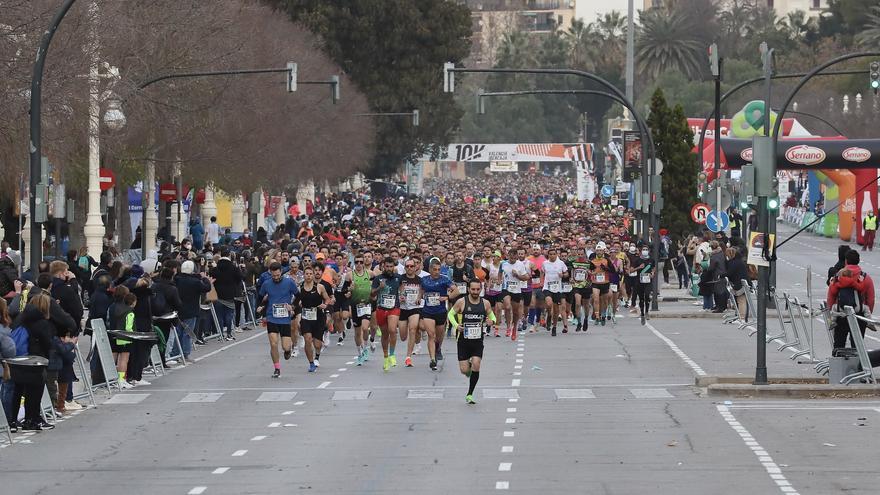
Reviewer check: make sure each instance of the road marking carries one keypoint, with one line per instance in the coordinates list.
(574, 393)
(519, 355)
(276, 396)
(650, 393)
(127, 399)
(212, 353)
(351, 395)
(273, 425)
(763, 457)
(342, 369)
(518, 367)
(512, 400)
(425, 394)
(684, 357)
(199, 490)
(515, 382)
(506, 449)
(505, 466)
(517, 373)
(499, 485)
(323, 384)
(239, 453)
(299, 403)
(287, 413)
(335, 375)
(349, 362)
(500, 393)
(519, 361)
(511, 409)
(510, 421)
(258, 438)
(509, 433)
(220, 470)
(202, 397)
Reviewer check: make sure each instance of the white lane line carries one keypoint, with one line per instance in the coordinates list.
(763, 457)
(517, 373)
(518, 367)
(507, 449)
(499, 485)
(515, 382)
(212, 353)
(287, 413)
(512, 400)
(239, 453)
(335, 375)
(684, 357)
(258, 438)
(510, 421)
(509, 433)
(273, 425)
(511, 409)
(505, 466)
(199, 490)
(519, 361)
(519, 354)
(349, 362)
(299, 403)
(342, 369)
(324, 385)
(220, 470)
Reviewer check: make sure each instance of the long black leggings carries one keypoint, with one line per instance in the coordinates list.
(33, 395)
(644, 294)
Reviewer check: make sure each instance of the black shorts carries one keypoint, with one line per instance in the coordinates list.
(439, 320)
(406, 313)
(356, 320)
(603, 288)
(341, 304)
(527, 298)
(569, 297)
(513, 297)
(313, 327)
(493, 300)
(556, 297)
(583, 291)
(282, 328)
(468, 348)
(119, 347)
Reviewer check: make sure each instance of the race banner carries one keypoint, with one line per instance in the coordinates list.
(503, 167)
(632, 155)
(800, 154)
(541, 152)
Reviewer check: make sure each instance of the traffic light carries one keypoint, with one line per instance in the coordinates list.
(875, 76)
(291, 77)
(773, 202)
(714, 60)
(701, 185)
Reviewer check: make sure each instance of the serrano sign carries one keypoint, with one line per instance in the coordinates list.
(798, 154)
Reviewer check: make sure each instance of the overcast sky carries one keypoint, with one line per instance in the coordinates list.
(587, 9)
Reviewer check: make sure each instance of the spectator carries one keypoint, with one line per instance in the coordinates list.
(166, 300)
(29, 383)
(197, 233)
(212, 233)
(736, 274)
(718, 268)
(841, 262)
(7, 350)
(8, 274)
(227, 281)
(139, 284)
(65, 291)
(190, 286)
(850, 287)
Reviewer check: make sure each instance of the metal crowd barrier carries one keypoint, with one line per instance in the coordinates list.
(4, 425)
(101, 343)
(47, 406)
(209, 307)
(867, 371)
(246, 300)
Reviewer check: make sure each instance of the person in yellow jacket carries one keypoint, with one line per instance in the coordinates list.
(121, 317)
(870, 225)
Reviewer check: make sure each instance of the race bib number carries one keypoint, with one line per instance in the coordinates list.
(580, 275)
(566, 287)
(645, 278)
(536, 280)
(513, 285)
(633, 274)
(280, 311)
(310, 314)
(462, 287)
(599, 278)
(554, 286)
(433, 299)
(613, 287)
(363, 310)
(387, 301)
(496, 287)
(473, 330)
(412, 295)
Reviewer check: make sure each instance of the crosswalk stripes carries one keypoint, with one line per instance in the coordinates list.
(650, 393)
(202, 397)
(276, 396)
(127, 399)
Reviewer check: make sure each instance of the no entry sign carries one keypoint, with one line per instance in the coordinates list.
(168, 192)
(106, 179)
(699, 213)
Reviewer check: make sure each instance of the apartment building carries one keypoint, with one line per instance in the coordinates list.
(782, 7)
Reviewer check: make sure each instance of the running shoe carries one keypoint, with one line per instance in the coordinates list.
(565, 329)
(341, 339)
(418, 349)
(469, 399)
(125, 385)
(553, 332)
(386, 365)
(13, 427)
(408, 362)
(513, 334)
(602, 321)
(276, 374)
(378, 334)
(367, 353)
(312, 368)
(326, 339)
(578, 327)
(643, 318)
(393, 359)
(360, 359)
(439, 354)
(507, 332)
(141, 382)
(317, 363)
(295, 351)
(287, 355)
(372, 346)
(496, 332)
(433, 365)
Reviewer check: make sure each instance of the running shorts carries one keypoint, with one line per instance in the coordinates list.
(468, 348)
(282, 328)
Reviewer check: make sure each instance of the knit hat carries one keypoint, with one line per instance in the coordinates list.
(187, 267)
(137, 271)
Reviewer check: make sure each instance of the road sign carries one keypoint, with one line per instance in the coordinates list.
(607, 190)
(699, 212)
(106, 179)
(711, 197)
(168, 192)
(615, 200)
(717, 221)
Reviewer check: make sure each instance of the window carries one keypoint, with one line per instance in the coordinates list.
(817, 4)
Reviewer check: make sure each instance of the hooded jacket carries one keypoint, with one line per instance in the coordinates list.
(850, 276)
(841, 262)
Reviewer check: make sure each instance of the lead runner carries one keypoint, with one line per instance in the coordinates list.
(470, 313)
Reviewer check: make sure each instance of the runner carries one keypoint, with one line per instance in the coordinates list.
(361, 310)
(646, 271)
(600, 268)
(276, 296)
(410, 307)
(552, 271)
(536, 260)
(582, 290)
(516, 276)
(437, 289)
(312, 299)
(470, 313)
(341, 293)
(386, 293)
(495, 285)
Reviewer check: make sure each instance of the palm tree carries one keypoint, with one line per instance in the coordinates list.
(666, 41)
(581, 38)
(870, 35)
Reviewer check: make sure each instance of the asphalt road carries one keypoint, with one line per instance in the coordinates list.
(612, 411)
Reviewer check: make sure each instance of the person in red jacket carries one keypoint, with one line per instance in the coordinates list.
(850, 281)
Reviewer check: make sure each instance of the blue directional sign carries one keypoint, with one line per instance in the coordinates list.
(717, 221)
(607, 191)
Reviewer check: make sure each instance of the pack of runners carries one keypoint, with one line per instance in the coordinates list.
(459, 263)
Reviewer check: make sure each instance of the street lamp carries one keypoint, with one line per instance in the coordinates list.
(114, 118)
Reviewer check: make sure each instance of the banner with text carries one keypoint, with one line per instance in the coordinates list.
(541, 152)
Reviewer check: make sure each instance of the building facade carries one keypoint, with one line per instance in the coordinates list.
(782, 7)
(491, 19)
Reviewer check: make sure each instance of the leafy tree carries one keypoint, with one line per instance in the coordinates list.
(394, 51)
(666, 42)
(870, 37)
(672, 139)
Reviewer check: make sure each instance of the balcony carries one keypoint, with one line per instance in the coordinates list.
(515, 5)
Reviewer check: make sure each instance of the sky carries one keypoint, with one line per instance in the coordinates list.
(587, 9)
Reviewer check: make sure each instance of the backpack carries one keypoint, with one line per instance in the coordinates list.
(158, 304)
(21, 337)
(849, 296)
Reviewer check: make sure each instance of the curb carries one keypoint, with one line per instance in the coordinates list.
(658, 314)
(792, 391)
